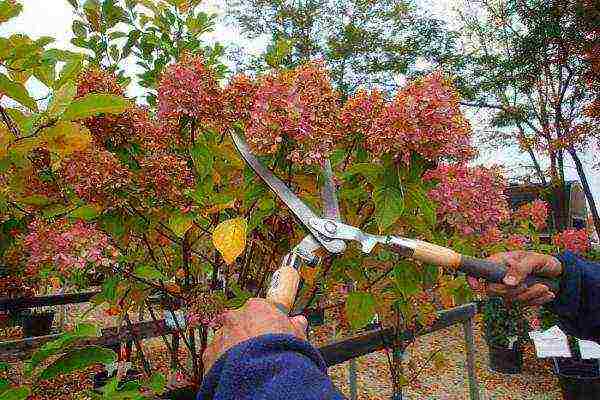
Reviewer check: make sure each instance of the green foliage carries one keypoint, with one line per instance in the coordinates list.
(17, 92)
(389, 205)
(61, 344)
(379, 41)
(77, 360)
(19, 393)
(9, 9)
(148, 272)
(360, 309)
(95, 104)
(504, 323)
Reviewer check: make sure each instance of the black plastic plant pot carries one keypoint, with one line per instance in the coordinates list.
(37, 324)
(504, 360)
(579, 379)
(315, 316)
(180, 394)
(101, 378)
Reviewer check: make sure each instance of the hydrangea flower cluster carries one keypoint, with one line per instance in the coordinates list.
(95, 175)
(95, 80)
(535, 212)
(237, 99)
(114, 130)
(204, 308)
(190, 88)
(424, 118)
(469, 199)
(165, 174)
(360, 111)
(67, 247)
(577, 241)
(516, 241)
(300, 106)
(33, 185)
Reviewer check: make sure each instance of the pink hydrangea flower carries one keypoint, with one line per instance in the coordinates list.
(469, 199)
(577, 241)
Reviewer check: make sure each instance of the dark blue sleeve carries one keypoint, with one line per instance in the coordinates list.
(578, 304)
(269, 367)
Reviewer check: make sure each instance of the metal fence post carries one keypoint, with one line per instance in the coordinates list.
(352, 379)
(470, 344)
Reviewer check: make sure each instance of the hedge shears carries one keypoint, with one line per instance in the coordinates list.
(328, 232)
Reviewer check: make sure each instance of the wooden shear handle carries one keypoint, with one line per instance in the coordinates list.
(475, 267)
(284, 284)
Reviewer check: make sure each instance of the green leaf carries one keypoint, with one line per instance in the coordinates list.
(20, 393)
(389, 206)
(53, 210)
(70, 71)
(148, 272)
(73, 3)
(61, 344)
(157, 383)
(35, 200)
(9, 10)
(427, 208)
(17, 92)
(360, 309)
(95, 104)
(203, 160)
(86, 212)
(62, 98)
(406, 278)
(77, 360)
(45, 73)
(180, 223)
(372, 172)
(79, 29)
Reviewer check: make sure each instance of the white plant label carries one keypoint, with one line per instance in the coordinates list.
(588, 349)
(550, 343)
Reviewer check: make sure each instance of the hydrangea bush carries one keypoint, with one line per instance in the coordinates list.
(156, 198)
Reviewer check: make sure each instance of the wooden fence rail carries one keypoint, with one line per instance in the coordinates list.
(22, 303)
(333, 353)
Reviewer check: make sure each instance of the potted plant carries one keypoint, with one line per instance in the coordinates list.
(579, 378)
(505, 330)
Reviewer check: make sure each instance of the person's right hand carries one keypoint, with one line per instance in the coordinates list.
(257, 317)
(521, 264)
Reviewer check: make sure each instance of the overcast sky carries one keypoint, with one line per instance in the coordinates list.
(54, 18)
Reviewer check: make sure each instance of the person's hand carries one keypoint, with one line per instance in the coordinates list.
(257, 317)
(521, 264)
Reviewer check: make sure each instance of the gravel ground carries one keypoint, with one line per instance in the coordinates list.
(447, 381)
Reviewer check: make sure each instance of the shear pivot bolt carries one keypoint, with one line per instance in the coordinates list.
(330, 227)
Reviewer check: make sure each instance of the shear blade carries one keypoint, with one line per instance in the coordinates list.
(293, 202)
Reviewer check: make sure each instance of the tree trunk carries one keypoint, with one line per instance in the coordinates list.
(586, 188)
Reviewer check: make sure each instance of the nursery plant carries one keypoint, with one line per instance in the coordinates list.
(153, 196)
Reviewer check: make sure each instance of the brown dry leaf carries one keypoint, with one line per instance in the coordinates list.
(229, 238)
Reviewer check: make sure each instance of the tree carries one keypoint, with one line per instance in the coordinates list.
(363, 43)
(530, 64)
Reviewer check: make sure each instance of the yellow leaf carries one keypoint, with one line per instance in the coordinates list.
(229, 238)
(5, 138)
(66, 138)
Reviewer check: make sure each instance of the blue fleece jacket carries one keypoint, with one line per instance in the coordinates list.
(282, 367)
(269, 367)
(578, 303)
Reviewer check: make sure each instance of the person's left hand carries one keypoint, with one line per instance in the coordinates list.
(520, 265)
(257, 317)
